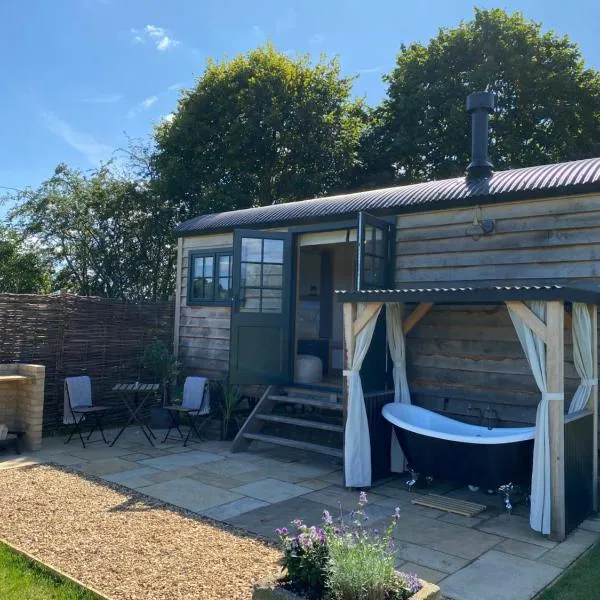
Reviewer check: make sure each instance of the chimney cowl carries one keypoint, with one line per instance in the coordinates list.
(480, 105)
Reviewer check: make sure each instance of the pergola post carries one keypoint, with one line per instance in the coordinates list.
(555, 384)
(593, 401)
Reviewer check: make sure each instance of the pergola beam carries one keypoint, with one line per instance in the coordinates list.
(360, 322)
(555, 368)
(530, 318)
(416, 315)
(593, 402)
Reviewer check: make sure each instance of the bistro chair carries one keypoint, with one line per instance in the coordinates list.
(195, 404)
(78, 406)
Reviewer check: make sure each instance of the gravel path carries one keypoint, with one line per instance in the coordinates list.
(125, 545)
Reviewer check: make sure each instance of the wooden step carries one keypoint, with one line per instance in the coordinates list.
(306, 401)
(279, 441)
(301, 422)
(323, 391)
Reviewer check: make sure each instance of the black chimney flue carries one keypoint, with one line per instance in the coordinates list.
(480, 105)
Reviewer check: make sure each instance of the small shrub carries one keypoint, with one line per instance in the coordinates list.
(347, 561)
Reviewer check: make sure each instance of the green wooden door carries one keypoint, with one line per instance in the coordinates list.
(260, 314)
(375, 254)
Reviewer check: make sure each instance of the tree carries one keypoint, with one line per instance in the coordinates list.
(259, 129)
(548, 103)
(108, 234)
(23, 270)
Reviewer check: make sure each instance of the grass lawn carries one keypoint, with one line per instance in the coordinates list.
(21, 579)
(581, 582)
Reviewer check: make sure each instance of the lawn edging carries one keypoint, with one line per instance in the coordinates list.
(53, 570)
(270, 588)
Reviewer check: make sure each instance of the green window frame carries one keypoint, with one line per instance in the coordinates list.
(210, 277)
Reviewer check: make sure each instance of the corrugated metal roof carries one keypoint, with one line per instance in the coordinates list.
(563, 178)
(473, 293)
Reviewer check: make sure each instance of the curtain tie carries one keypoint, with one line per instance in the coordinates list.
(589, 382)
(553, 396)
(348, 372)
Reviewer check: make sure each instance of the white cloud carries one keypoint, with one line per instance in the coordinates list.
(85, 143)
(104, 99)
(159, 36)
(316, 39)
(258, 31)
(168, 118)
(143, 105)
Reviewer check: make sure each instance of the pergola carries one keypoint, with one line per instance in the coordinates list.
(538, 313)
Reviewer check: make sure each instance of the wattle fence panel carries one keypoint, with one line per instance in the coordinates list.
(76, 335)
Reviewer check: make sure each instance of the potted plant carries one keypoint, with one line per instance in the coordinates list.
(165, 369)
(342, 560)
(229, 408)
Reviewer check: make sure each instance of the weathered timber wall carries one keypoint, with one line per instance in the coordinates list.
(75, 335)
(469, 355)
(544, 240)
(203, 334)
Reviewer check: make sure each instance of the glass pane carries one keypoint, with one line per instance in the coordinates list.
(271, 301)
(198, 288)
(379, 242)
(224, 289)
(224, 266)
(273, 251)
(250, 275)
(367, 271)
(250, 300)
(208, 266)
(198, 267)
(378, 271)
(272, 276)
(251, 249)
(369, 232)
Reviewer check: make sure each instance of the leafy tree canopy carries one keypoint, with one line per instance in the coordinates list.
(548, 103)
(108, 234)
(23, 270)
(258, 129)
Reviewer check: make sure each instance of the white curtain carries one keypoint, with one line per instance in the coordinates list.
(535, 351)
(357, 443)
(397, 346)
(582, 356)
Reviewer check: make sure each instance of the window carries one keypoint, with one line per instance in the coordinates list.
(210, 277)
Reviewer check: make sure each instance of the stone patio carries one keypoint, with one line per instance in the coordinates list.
(487, 557)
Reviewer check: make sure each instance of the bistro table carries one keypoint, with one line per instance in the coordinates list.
(135, 396)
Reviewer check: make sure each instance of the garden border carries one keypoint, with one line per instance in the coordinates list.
(53, 570)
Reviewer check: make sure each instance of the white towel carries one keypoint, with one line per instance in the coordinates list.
(79, 389)
(3, 431)
(196, 395)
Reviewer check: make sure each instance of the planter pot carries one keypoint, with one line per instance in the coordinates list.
(271, 589)
(159, 418)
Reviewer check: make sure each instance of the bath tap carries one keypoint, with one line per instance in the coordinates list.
(472, 408)
(494, 423)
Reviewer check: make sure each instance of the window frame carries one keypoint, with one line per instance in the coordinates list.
(215, 253)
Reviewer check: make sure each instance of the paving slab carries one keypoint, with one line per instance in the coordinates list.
(440, 561)
(108, 466)
(523, 549)
(227, 483)
(591, 524)
(499, 576)
(335, 494)
(15, 461)
(430, 575)
(578, 542)
(435, 534)
(271, 490)
(186, 459)
(234, 509)
(124, 477)
(315, 484)
(190, 494)
(161, 476)
(66, 460)
(135, 456)
(229, 467)
(461, 520)
(516, 528)
(265, 520)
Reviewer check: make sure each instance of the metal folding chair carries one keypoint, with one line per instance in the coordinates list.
(81, 407)
(195, 404)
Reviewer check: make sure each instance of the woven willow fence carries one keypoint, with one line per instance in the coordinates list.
(75, 335)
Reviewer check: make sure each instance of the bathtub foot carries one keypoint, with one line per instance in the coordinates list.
(414, 478)
(506, 490)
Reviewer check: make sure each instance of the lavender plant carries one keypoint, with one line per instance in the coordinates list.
(346, 560)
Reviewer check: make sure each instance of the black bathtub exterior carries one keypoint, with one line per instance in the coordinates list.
(486, 465)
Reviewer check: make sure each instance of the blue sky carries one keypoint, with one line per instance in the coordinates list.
(79, 76)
